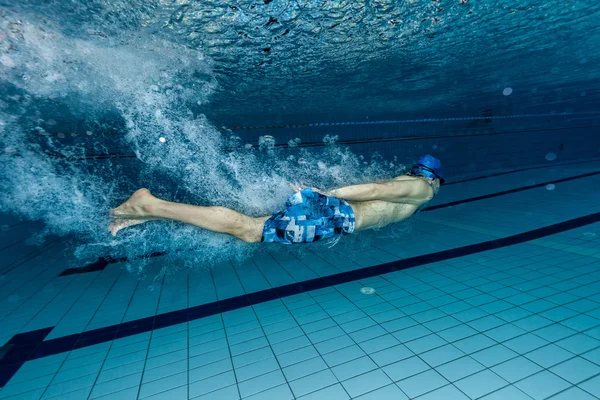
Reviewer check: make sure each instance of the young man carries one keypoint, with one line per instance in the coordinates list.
(309, 215)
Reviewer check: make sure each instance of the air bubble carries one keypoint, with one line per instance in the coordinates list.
(550, 186)
(61, 135)
(162, 139)
(7, 61)
(507, 91)
(551, 156)
(89, 133)
(367, 290)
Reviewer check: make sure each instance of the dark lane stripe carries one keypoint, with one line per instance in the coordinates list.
(31, 345)
(505, 192)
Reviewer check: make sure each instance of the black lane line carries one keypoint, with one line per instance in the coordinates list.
(31, 345)
(514, 171)
(103, 262)
(521, 189)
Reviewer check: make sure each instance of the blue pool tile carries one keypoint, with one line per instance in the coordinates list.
(248, 358)
(505, 332)
(458, 369)
(318, 325)
(249, 371)
(326, 334)
(389, 392)
(163, 385)
(405, 368)
(594, 332)
(513, 314)
(312, 383)
(578, 344)
(516, 369)
(583, 305)
(486, 323)
(304, 368)
(331, 345)
(209, 370)
(441, 355)
(391, 355)
(520, 298)
(474, 343)
(532, 323)
(559, 314)
(549, 355)
(115, 385)
(542, 385)
(366, 383)
(538, 306)
(592, 385)
(398, 324)
(457, 333)
(497, 306)
(425, 343)
(411, 333)
(358, 324)
(554, 332)
(581, 322)
(165, 370)
(353, 368)
(273, 338)
(480, 384)
(448, 392)
(507, 393)
(227, 393)
(593, 356)
(289, 345)
(470, 314)
(297, 356)
(422, 383)
(334, 392)
(442, 323)
(493, 355)
(573, 393)
(387, 316)
(281, 392)
(261, 383)
(250, 345)
(368, 334)
(576, 370)
(379, 343)
(525, 343)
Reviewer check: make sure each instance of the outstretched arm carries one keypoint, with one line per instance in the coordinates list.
(392, 191)
(362, 192)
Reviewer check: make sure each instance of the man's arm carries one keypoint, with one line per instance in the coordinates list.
(363, 192)
(392, 191)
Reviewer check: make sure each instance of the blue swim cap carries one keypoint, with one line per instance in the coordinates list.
(429, 167)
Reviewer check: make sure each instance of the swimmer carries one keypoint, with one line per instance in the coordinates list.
(310, 214)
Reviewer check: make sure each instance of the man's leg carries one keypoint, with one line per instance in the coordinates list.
(142, 207)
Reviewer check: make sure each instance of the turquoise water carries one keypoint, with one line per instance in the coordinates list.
(490, 293)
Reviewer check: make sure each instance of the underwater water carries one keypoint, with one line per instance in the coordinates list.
(100, 98)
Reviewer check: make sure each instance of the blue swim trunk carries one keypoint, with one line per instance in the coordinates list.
(309, 217)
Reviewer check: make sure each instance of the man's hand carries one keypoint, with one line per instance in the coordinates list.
(297, 188)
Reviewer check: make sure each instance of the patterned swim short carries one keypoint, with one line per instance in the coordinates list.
(308, 217)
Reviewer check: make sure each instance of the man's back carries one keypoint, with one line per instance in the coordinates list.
(378, 213)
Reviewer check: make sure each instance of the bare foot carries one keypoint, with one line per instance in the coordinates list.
(136, 210)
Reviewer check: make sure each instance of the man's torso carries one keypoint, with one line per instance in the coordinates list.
(378, 213)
